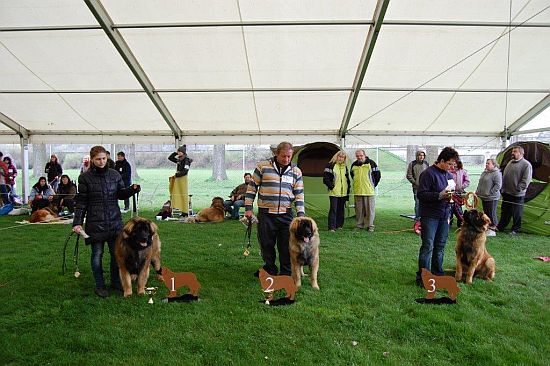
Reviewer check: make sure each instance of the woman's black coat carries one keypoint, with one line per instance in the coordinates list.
(98, 193)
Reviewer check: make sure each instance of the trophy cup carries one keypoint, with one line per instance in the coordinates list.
(151, 291)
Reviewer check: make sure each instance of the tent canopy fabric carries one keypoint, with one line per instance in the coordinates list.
(220, 71)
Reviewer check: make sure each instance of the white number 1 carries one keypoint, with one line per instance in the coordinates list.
(173, 284)
(432, 284)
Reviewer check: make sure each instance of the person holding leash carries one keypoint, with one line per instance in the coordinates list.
(54, 170)
(278, 183)
(99, 188)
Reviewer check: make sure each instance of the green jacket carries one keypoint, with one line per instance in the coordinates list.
(336, 178)
(366, 176)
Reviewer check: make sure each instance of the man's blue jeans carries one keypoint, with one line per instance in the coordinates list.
(434, 237)
(233, 207)
(97, 264)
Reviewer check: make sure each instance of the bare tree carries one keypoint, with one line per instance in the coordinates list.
(40, 158)
(218, 163)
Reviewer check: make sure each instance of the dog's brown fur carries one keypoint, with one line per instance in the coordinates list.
(302, 253)
(46, 214)
(277, 283)
(173, 281)
(214, 213)
(432, 282)
(472, 256)
(126, 255)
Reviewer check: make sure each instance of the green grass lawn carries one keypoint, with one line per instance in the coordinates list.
(367, 296)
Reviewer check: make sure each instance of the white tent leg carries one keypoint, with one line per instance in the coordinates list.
(25, 168)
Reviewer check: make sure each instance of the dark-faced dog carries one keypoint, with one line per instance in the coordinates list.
(214, 213)
(472, 256)
(304, 249)
(136, 247)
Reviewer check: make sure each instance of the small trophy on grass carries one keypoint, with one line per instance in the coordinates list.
(151, 291)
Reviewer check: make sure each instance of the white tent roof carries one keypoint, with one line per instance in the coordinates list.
(226, 71)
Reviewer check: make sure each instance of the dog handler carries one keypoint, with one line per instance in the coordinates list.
(278, 183)
(99, 188)
(434, 193)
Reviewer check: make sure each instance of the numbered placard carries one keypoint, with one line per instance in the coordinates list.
(270, 284)
(174, 280)
(432, 283)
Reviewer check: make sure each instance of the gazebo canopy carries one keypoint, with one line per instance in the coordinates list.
(256, 72)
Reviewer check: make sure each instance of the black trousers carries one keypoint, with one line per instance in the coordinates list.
(336, 212)
(511, 208)
(490, 209)
(273, 230)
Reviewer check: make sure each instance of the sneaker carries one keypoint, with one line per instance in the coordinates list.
(513, 232)
(332, 230)
(370, 229)
(491, 233)
(101, 292)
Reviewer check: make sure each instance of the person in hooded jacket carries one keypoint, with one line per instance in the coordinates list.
(41, 194)
(99, 189)
(336, 178)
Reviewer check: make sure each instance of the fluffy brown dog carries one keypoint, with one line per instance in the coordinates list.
(136, 247)
(472, 256)
(304, 249)
(174, 280)
(271, 284)
(46, 214)
(214, 213)
(432, 283)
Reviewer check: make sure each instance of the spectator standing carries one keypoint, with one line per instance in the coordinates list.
(414, 169)
(488, 190)
(123, 167)
(41, 194)
(365, 175)
(278, 183)
(336, 178)
(85, 164)
(515, 180)
(10, 181)
(99, 188)
(4, 193)
(53, 170)
(236, 198)
(110, 162)
(434, 193)
(462, 181)
(178, 184)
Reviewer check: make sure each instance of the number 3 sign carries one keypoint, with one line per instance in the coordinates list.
(433, 283)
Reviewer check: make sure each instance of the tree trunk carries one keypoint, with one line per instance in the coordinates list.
(40, 158)
(218, 163)
(411, 153)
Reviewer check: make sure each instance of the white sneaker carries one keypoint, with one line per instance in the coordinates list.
(491, 232)
(122, 210)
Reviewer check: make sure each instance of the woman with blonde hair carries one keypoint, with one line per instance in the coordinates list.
(336, 178)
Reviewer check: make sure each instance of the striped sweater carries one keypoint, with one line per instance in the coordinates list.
(276, 190)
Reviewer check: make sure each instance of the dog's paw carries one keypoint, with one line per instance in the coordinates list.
(315, 287)
(160, 278)
(128, 294)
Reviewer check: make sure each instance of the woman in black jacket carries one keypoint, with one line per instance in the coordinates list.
(54, 170)
(99, 188)
(66, 193)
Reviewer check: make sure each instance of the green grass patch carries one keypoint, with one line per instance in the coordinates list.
(367, 296)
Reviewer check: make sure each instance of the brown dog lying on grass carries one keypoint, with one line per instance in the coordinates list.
(214, 213)
(472, 256)
(44, 215)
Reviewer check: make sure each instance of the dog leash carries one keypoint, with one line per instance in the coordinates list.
(75, 255)
(247, 236)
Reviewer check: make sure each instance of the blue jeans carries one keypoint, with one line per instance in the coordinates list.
(416, 207)
(233, 207)
(434, 237)
(97, 264)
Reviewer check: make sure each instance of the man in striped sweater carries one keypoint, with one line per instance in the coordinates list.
(278, 184)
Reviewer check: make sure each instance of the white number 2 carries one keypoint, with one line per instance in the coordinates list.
(173, 284)
(432, 284)
(270, 287)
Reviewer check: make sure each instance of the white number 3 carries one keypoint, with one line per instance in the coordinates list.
(432, 285)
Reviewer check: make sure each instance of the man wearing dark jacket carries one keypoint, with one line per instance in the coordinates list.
(434, 190)
(415, 168)
(123, 167)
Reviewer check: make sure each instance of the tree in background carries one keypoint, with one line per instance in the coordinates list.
(218, 163)
(40, 158)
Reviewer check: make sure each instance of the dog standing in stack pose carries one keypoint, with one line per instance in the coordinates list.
(136, 247)
(304, 249)
(472, 256)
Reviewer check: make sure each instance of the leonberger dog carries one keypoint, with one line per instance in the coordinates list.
(304, 249)
(472, 256)
(44, 215)
(214, 213)
(136, 247)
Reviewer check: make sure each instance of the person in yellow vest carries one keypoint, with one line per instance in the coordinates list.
(365, 175)
(336, 178)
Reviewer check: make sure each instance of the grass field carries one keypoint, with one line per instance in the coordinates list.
(364, 314)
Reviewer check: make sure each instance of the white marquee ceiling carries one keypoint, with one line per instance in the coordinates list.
(243, 71)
